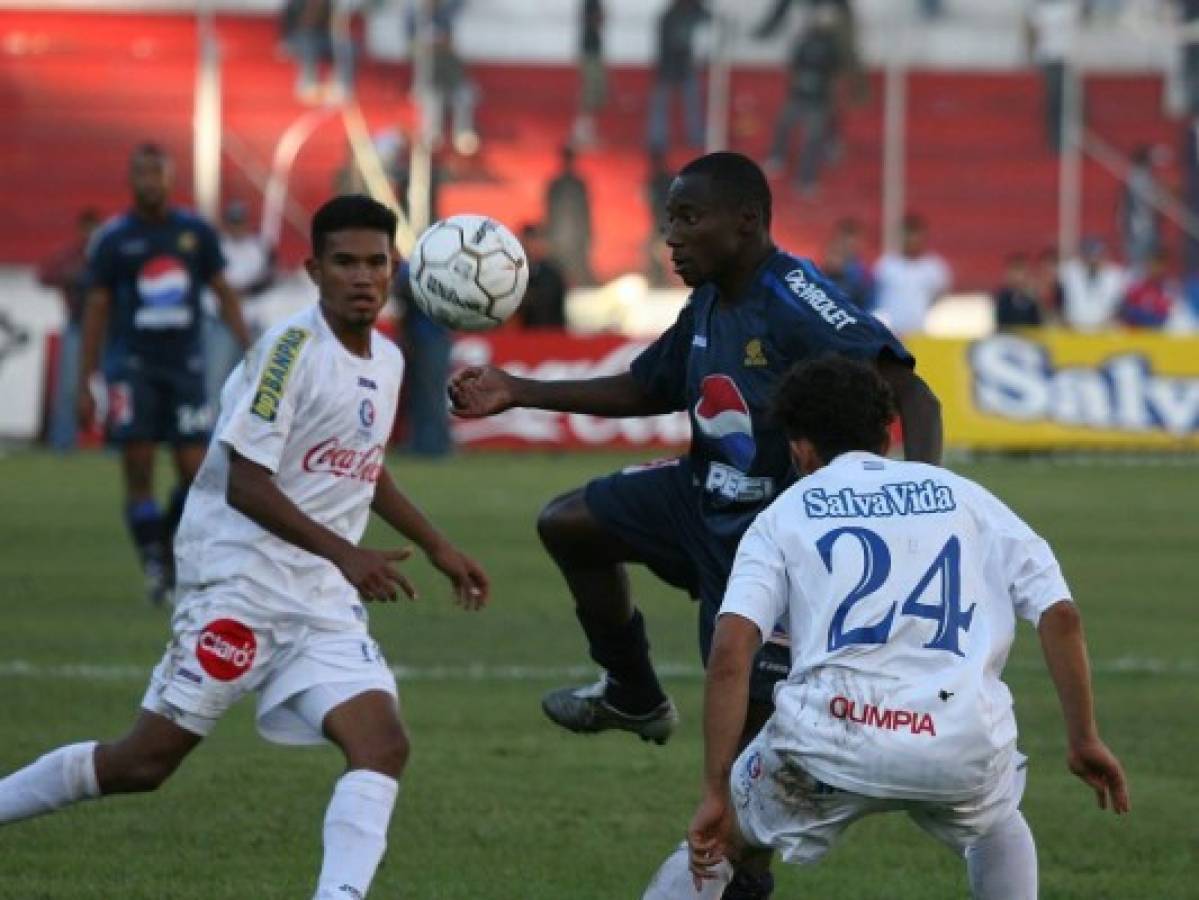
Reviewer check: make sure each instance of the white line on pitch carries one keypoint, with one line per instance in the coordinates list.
(16, 668)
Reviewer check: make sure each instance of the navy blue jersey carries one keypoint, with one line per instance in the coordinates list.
(155, 273)
(721, 363)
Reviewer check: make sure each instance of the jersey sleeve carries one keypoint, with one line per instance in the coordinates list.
(210, 258)
(1034, 578)
(757, 588)
(100, 263)
(661, 368)
(820, 320)
(258, 426)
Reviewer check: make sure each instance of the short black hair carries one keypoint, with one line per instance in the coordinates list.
(151, 149)
(838, 404)
(737, 178)
(351, 211)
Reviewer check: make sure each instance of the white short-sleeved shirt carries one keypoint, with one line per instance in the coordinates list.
(906, 288)
(318, 417)
(901, 583)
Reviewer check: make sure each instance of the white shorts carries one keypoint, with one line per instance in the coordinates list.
(299, 673)
(779, 805)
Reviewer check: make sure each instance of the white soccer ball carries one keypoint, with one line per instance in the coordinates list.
(468, 272)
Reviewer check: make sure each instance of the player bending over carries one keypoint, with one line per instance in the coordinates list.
(902, 583)
(271, 576)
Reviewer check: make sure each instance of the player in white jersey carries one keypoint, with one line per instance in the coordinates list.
(271, 577)
(901, 583)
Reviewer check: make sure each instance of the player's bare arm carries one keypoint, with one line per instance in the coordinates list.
(479, 391)
(471, 586)
(919, 410)
(230, 304)
(726, 695)
(95, 324)
(1065, 651)
(253, 493)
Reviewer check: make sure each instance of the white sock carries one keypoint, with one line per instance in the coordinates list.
(60, 778)
(1003, 864)
(674, 882)
(355, 833)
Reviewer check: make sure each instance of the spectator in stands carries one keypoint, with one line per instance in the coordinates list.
(657, 187)
(1140, 223)
(318, 31)
(1188, 12)
(851, 63)
(1016, 303)
(66, 271)
(431, 28)
(568, 221)
(1092, 288)
(844, 266)
(909, 282)
(544, 303)
(1050, 27)
(593, 79)
(676, 72)
(249, 270)
(1151, 299)
(816, 64)
(1046, 284)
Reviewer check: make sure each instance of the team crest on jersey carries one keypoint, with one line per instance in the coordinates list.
(277, 372)
(366, 413)
(755, 356)
(187, 242)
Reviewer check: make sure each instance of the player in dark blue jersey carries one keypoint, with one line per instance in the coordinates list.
(754, 311)
(142, 327)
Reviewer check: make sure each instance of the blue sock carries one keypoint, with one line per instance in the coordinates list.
(145, 523)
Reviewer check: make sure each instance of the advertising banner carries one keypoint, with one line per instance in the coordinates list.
(1046, 389)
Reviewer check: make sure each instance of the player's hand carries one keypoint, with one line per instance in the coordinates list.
(1097, 766)
(472, 588)
(85, 408)
(479, 391)
(373, 574)
(709, 835)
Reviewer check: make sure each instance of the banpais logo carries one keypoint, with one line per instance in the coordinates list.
(226, 649)
(331, 457)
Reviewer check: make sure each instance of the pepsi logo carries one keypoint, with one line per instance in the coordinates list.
(722, 416)
(226, 649)
(163, 281)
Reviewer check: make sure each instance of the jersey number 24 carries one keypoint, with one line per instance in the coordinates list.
(876, 567)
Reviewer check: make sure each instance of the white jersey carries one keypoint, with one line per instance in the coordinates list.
(901, 583)
(318, 417)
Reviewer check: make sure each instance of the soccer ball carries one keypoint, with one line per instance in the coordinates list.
(468, 272)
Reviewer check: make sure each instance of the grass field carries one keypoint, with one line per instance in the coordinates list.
(499, 805)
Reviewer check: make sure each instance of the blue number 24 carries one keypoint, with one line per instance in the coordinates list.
(876, 559)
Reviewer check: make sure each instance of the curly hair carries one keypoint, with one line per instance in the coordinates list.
(838, 404)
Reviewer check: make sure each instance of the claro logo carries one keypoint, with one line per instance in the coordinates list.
(1015, 379)
(226, 649)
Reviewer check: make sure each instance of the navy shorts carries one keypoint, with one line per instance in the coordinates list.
(163, 404)
(655, 509)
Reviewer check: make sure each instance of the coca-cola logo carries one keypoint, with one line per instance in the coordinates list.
(330, 457)
(226, 649)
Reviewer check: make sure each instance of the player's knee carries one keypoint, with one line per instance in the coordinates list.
(137, 775)
(387, 754)
(561, 526)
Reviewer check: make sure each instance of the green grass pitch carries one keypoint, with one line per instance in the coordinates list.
(499, 805)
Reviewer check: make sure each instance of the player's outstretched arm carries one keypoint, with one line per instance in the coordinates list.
(919, 411)
(479, 391)
(1065, 650)
(253, 493)
(472, 588)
